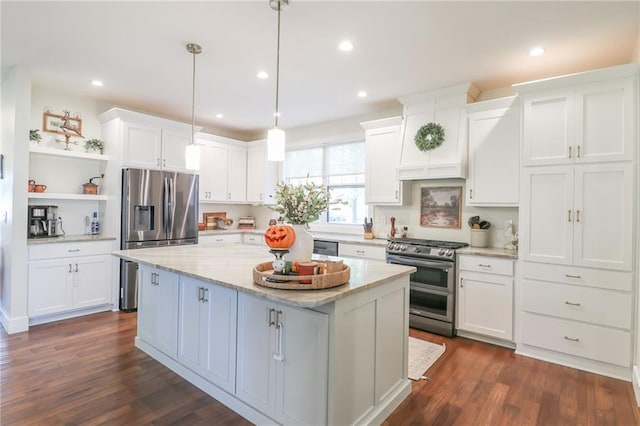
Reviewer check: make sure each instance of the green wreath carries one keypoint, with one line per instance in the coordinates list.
(430, 136)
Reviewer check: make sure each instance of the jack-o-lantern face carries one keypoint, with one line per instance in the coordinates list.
(280, 236)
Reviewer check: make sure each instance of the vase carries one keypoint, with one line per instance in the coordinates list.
(302, 248)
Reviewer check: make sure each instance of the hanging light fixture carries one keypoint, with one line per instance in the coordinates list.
(275, 136)
(192, 151)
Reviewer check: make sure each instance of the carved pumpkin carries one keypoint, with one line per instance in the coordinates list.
(280, 236)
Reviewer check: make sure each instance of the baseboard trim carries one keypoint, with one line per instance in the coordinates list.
(13, 325)
(67, 315)
(635, 380)
(487, 339)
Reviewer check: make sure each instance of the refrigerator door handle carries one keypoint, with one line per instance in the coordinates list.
(172, 203)
(165, 202)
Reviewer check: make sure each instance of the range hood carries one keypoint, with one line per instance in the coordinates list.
(446, 107)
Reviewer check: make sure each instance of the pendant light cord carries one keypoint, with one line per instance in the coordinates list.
(278, 67)
(193, 99)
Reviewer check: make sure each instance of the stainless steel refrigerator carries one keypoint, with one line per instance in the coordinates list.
(158, 209)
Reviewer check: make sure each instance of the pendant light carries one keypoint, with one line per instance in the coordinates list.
(192, 151)
(275, 136)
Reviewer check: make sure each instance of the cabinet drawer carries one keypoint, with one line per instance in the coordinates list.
(220, 239)
(486, 264)
(80, 248)
(578, 303)
(613, 280)
(256, 239)
(360, 250)
(589, 341)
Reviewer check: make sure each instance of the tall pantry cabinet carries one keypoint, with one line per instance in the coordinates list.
(578, 195)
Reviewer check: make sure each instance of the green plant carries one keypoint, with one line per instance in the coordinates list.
(430, 136)
(299, 204)
(95, 144)
(34, 135)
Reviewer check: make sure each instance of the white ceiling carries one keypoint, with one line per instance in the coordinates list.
(138, 49)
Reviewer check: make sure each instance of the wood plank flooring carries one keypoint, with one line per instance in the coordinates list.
(86, 371)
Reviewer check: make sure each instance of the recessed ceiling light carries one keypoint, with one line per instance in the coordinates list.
(536, 51)
(97, 83)
(345, 46)
(263, 75)
(218, 115)
(362, 94)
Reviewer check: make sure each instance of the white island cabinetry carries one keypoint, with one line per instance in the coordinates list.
(282, 360)
(337, 357)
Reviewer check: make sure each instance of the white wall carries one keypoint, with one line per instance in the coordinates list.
(16, 98)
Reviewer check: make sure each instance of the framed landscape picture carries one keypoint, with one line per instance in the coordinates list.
(440, 207)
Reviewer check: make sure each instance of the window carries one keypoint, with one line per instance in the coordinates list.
(341, 168)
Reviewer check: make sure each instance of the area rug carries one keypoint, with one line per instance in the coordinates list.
(422, 355)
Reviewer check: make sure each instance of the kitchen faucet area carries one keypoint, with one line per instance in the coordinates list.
(280, 212)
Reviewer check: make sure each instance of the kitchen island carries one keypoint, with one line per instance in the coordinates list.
(334, 356)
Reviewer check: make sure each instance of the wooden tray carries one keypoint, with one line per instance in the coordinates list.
(318, 282)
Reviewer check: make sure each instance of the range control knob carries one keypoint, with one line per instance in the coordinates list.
(449, 253)
(403, 248)
(441, 252)
(418, 250)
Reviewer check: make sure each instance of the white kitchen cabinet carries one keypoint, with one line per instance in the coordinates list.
(584, 123)
(152, 147)
(262, 175)
(220, 239)
(578, 215)
(485, 296)
(494, 153)
(207, 331)
(383, 145)
(223, 170)
(362, 250)
(282, 360)
(255, 239)
(158, 309)
(67, 278)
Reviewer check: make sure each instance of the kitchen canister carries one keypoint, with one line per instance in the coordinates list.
(479, 238)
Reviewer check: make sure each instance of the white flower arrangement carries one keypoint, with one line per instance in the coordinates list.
(301, 204)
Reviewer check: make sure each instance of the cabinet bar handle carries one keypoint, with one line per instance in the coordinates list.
(577, 215)
(200, 294)
(566, 302)
(157, 162)
(205, 297)
(569, 152)
(397, 195)
(164, 162)
(569, 216)
(572, 276)
(279, 356)
(73, 250)
(76, 268)
(461, 283)
(471, 193)
(578, 148)
(360, 251)
(270, 317)
(484, 265)
(70, 270)
(571, 339)
(229, 195)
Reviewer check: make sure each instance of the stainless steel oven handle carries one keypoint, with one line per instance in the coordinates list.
(401, 260)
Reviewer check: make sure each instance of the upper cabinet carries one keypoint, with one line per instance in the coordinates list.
(445, 107)
(262, 175)
(148, 142)
(223, 169)
(383, 143)
(590, 121)
(494, 147)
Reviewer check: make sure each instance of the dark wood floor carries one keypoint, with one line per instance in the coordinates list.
(86, 371)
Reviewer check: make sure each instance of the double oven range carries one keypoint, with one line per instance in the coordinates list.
(432, 287)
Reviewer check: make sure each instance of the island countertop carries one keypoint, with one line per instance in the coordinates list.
(231, 265)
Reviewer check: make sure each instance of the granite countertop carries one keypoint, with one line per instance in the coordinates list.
(231, 265)
(489, 251)
(69, 239)
(341, 238)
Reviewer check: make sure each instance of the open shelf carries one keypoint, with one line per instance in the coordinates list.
(68, 154)
(63, 196)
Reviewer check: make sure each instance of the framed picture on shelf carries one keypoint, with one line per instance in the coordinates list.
(440, 207)
(51, 123)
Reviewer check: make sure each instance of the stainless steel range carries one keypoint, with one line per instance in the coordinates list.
(432, 288)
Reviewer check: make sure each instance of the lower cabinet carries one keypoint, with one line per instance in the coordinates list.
(207, 331)
(220, 239)
(282, 360)
(362, 250)
(58, 283)
(485, 296)
(158, 309)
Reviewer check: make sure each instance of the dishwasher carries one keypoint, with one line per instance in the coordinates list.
(328, 248)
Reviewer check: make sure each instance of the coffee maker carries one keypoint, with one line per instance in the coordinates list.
(43, 222)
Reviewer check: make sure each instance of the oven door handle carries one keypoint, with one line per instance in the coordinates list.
(446, 267)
